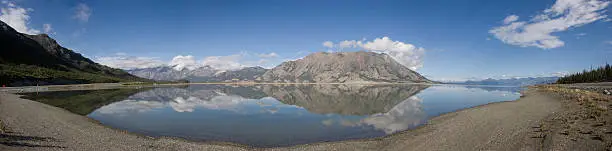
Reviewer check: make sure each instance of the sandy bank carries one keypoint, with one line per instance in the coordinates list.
(498, 126)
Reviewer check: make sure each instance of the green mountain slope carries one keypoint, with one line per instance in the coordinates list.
(40, 60)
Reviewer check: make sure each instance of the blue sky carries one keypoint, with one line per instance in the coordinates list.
(442, 39)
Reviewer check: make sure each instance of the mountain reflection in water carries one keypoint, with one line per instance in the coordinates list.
(281, 115)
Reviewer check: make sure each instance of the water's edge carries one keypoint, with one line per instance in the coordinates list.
(428, 122)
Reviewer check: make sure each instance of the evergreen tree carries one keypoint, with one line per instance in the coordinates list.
(600, 74)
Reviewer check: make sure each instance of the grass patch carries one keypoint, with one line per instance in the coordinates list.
(14, 73)
(595, 104)
(2, 127)
(585, 116)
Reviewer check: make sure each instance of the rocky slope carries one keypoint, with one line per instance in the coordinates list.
(343, 67)
(39, 59)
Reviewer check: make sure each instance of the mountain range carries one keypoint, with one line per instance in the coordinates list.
(511, 82)
(321, 67)
(39, 60)
(200, 74)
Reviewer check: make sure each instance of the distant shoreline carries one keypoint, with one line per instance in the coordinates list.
(96, 86)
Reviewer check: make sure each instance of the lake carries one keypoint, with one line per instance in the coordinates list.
(273, 115)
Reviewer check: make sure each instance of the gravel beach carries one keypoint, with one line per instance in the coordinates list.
(512, 125)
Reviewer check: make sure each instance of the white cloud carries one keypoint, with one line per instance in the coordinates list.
(510, 19)
(82, 13)
(350, 44)
(563, 15)
(608, 42)
(328, 44)
(402, 116)
(241, 60)
(130, 106)
(181, 101)
(222, 102)
(230, 62)
(48, 29)
(129, 62)
(17, 17)
(269, 55)
(560, 74)
(292, 59)
(404, 53)
(406, 114)
(181, 62)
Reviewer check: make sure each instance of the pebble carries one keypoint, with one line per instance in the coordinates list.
(598, 124)
(597, 138)
(539, 135)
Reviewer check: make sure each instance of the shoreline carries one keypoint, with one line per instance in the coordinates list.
(101, 86)
(389, 142)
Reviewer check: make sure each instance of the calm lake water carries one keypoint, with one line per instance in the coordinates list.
(273, 115)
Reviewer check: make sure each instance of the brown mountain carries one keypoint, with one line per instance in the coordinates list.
(343, 67)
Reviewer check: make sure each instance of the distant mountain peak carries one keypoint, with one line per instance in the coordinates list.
(179, 67)
(203, 73)
(343, 67)
(514, 81)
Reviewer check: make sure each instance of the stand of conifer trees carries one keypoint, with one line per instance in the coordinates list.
(601, 74)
